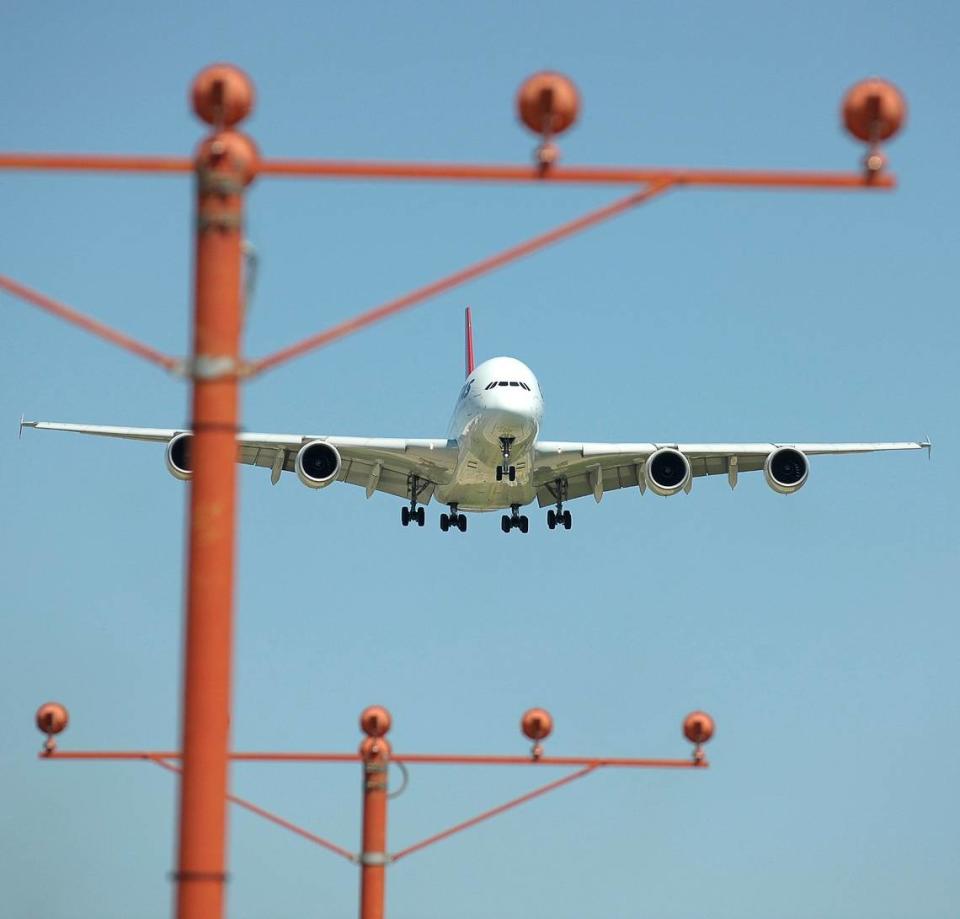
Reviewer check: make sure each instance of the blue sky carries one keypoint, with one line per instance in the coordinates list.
(820, 630)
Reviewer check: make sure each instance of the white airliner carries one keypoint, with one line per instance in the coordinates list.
(493, 458)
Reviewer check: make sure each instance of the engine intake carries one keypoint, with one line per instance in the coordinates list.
(178, 459)
(667, 471)
(318, 464)
(786, 470)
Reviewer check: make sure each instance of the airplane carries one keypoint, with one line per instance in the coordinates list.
(493, 458)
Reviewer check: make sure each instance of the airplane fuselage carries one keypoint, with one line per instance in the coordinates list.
(500, 402)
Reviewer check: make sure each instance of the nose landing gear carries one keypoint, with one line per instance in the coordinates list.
(507, 523)
(505, 469)
(454, 519)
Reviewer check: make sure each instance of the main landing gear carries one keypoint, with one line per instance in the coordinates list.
(454, 519)
(514, 520)
(559, 517)
(413, 513)
(505, 470)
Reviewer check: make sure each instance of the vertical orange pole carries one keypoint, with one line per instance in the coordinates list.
(225, 162)
(375, 753)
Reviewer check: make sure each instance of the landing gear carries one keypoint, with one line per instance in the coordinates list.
(559, 517)
(505, 470)
(515, 519)
(454, 519)
(413, 513)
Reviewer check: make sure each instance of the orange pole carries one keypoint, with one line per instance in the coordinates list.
(224, 164)
(373, 853)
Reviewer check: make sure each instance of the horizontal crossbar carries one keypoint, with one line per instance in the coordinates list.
(461, 172)
(434, 759)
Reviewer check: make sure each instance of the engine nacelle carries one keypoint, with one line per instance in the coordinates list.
(179, 462)
(667, 471)
(786, 470)
(318, 464)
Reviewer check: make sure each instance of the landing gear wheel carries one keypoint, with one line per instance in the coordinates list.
(523, 523)
(513, 474)
(567, 520)
(444, 522)
(420, 516)
(462, 523)
(499, 473)
(405, 516)
(552, 519)
(505, 523)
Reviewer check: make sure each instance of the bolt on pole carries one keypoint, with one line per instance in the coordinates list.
(225, 164)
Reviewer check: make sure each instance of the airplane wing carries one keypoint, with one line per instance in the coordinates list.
(383, 464)
(586, 468)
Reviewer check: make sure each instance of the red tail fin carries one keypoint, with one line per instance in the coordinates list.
(468, 330)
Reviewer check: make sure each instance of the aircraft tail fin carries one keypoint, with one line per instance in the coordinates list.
(468, 338)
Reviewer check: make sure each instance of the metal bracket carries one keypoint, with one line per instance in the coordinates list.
(219, 222)
(212, 182)
(209, 367)
(374, 858)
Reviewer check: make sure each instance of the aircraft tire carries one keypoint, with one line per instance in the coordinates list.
(524, 524)
(552, 519)
(462, 523)
(567, 520)
(421, 517)
(505, 523)
(444, 522)
(405, 516)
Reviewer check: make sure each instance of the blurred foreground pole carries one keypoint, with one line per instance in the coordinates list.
(375, 753)
(225, 164)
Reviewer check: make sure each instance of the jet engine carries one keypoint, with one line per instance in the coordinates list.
(786, 470)
(667, 471)
(318, 464)
(177, 457)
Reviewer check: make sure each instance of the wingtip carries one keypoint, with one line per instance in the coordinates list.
(926, 442)
(25, 424)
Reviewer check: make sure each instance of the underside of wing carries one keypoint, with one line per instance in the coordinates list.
(564, 470)
(403, 467)
(390, 465)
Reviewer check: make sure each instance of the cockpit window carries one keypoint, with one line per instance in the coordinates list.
(514, 383)
(502, 383)
(524, 385)
(490, 385)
